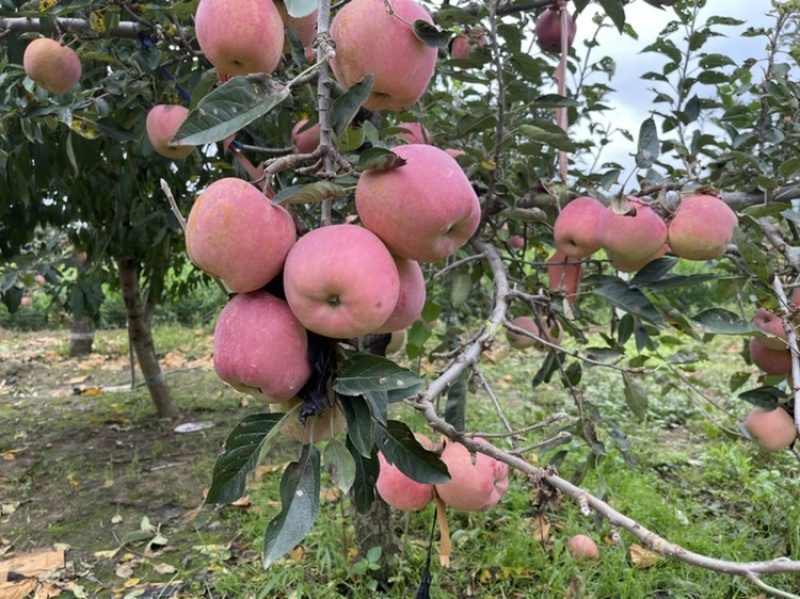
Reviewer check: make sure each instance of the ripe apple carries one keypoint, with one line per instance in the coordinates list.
(305, 27)
(235, 233)
(632, 237)
(55, 67)
(772, 325)
(415, 134)
(583, 547)
(399, 490)
(770, 361)
(369, 40)
(517, 242)
(162, 122)
(553, 332)
(260, 347)
(424, 210)
(328, 423)
(240, 37)
(575, 227)
(473, 486)
(636, 265)
(701, 228)
(411, 299)
(564, 274)
(341, 281)
(454, 152)
(548, 29)
(463, 43)
(771, 429)
(305, 140)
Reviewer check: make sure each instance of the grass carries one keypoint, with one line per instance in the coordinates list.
(695, 483)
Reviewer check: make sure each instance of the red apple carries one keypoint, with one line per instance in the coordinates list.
(411, 299)
(553, 332)
(260, 347)
(575, 227)
(772, 325)
(305, 140)
(369, 40)
(637, 265)
(548, 29)
(399, 490)
(634, 236)
(770, 361)
(463, 43)
(701, 228)
(474, 484)
(583, 547)
(771, 429)
(564, 275)
(424, 210)
(163, 120)
(305, 27)
(415, 133)
(241, 37)
(55, 67)
(235, 233)
(341, 281)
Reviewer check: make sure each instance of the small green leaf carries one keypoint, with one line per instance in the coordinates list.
(229, 108)
(555, 101)
(418, 334)
(614, 9)
(317, 191)
(635, 396)
(340, 463)
(649, 148)
(461, 287)
(616, 291)
(431, 35)
(367, 468)
(723, 322)
(399, 446)
(299, 505)
(455, 409)
(346, 106)
(301, 8)
(359, 423)
(379, 159)
(546, 132)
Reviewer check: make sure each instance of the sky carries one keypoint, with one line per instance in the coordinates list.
(632, 100)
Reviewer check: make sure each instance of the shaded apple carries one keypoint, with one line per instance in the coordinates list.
(411, 299)
(769, 361)
(163, 120)
(474, 485)
(462, 44)
(772, 325)
(369, 40)
(575, 227)
(305, 140)
(548, 29)
(553, 332)
(328, 423)
(632, 237)
(51, 65)
(240, 37)
(341, 281)
(701, 228)
(414, 133)
(424, 210)
(399, 490)
(260, 347)
(564, 275)
(636, 265)
(771, 429)
(232, 220)
(305, 27)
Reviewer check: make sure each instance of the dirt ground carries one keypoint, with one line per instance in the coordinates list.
(96, 492)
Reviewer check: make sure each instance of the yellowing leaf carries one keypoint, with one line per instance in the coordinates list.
(445, 546)
(72, 480)
(96, 21)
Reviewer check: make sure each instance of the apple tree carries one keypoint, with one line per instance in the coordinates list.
(428, 162)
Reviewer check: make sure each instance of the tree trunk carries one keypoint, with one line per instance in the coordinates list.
(81, 336)
(142, 340)
(375, 528)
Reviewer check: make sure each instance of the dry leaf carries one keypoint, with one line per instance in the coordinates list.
(297, 554)
(164, 568)
(242, 502)
(445, 546)
(329, 494)
(31, 566)
(77, 380)
(641, 557)
(124, 571)
(541, 528)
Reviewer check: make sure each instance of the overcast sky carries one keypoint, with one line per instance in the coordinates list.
(632, 100)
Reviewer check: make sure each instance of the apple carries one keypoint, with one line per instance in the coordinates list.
(305, 27)
(475, 484)
(454, 152)
(564, 275)
(463, 43)
(162, 122)
(305, 140)
(424, 210)
(341, 281)
(575, 227)
(770, 361)
(583, 547)
(415, 133)
(632, 237)
(369, 40)
(240, 37)
(51, 65)
(396, 342)
(328, 423)
(548, 29)
(701, 228)
(411, 299)
(399, 490)
(553, 332)
(771, 429)
(260, 347)
(637, 265)
(235, 233)
(517, 242)
(772, 325)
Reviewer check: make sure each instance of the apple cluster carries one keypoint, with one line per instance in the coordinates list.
(475, 484)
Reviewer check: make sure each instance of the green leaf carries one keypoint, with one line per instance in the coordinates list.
(635, 396)
(317, 191)
(652, 272)
(431, 35)
(301, 8)
(341, 465)
(555, 101)
(616, 291)
(399, 446)
(455, 409)
(229, 108)
(359, 423)
(724, 322)
(367, 468)
(546, 132)
(379, 159)
(346, 106)
(790, 168)
(299, 505)
(461, 287)
(418, 334)
(614, 9)
(764, 397)
(649, 147)
(243, 449)
(362, 373)
(548, 368)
